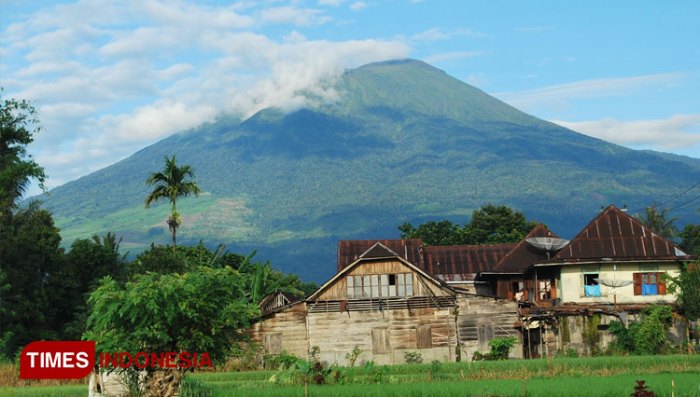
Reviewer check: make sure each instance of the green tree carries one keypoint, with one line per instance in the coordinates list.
(659, 221)
(687, 287)
(18, 125)
(200, 311)
(690, 239)
(489, 224)
(434, 233)
(31, 261)
(492, 224)
(172, 183)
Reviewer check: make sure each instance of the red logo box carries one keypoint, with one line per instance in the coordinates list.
(57, 360)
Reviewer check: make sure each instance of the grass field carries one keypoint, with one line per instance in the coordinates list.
(598, 376)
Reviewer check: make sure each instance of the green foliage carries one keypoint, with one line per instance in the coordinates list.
(501, 347)
(193, 387)
(687, 287)
(489, 225)
(352, 356)
(172, 183)
(690, 239)
(281, 361)
(18, 125)
(413, 357)
(659, 221)
(199, 311)
(648, 336)
(34, 286)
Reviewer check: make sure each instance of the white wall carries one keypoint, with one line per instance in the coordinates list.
(571, 285)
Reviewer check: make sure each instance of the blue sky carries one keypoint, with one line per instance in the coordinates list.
(110, 77)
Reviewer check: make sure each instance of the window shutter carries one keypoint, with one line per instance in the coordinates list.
(661, 284)
(424, 337)
(637, 277)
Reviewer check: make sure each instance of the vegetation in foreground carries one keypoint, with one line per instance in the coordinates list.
(597, 376)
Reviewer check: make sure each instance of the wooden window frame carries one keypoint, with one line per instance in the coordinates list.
(638, 279)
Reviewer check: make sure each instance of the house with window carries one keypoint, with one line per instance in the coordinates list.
(614, 259)
(387, 306)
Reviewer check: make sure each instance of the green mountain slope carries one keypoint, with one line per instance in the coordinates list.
(405, 142)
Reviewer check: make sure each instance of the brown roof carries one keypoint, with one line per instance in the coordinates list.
(524, 255)
(464, 259)
(616, 235)
(350, 250)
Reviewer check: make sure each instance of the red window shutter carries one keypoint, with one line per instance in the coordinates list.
(660, 284)
(637, 277)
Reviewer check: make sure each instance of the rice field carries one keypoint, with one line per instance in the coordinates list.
(677, 376)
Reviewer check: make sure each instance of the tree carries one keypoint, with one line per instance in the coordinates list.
(18, 124)
(200, 311)
(170, 184)
(434, 233)
(687, 287)
(658, 221)
(690, 239)
(490, 224)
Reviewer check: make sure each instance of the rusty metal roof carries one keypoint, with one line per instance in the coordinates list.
(350, 250)
(464, 259)
(615, 235)
(524, 255)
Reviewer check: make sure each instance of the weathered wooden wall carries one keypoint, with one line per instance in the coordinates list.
(283, 331)
(384, 336)
(481, 319)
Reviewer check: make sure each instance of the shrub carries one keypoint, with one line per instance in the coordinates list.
(283, 360)
(648, 336)
(501, 347)
(413, 357)
(353, 356)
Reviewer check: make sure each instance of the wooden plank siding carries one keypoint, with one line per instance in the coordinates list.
(384, 336)
(421, 286)
(289, 329)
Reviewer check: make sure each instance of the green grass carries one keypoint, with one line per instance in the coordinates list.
(45, 391)
(597, 376)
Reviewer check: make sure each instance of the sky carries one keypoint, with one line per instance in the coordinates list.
(111, 77)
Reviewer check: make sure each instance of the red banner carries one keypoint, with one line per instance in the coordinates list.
(57, 360)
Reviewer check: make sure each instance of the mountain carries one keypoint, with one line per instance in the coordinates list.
(403, 142)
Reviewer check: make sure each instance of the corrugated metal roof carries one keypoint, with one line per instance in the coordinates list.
(615, 235)
(520, 258)
(464, 259)
(350, 250)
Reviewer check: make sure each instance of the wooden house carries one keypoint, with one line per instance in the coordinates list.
(387, 306)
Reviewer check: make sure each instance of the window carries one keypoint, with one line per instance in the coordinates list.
(590, 284)
(546, 289)
(650, 283)
(379, 285)
(273, 343)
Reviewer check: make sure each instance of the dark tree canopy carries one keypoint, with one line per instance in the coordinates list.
(18, 124)
(489, 224)
(658, 220)
(690, 239)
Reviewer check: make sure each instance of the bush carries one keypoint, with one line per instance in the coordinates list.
(501, 347)
(413, 358)
(283, 360)
(647, 336)
(353, 356)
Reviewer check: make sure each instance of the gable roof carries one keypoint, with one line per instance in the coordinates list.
(350, 250)
(464, 259)
(524, 254)
(373, 253)
(275, 301)
(616, 235)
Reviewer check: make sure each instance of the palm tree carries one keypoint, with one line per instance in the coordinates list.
(170, 184)
(658, 221)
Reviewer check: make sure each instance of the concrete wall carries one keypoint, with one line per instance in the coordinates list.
(570, 288)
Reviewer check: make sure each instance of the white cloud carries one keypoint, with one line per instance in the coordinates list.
(295, 16)
(438, 34)
(675, 132)
(560, 95)
(109, 78)
(358, 5)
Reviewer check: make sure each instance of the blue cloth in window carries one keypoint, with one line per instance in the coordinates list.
(649, 289)
(592, 290)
